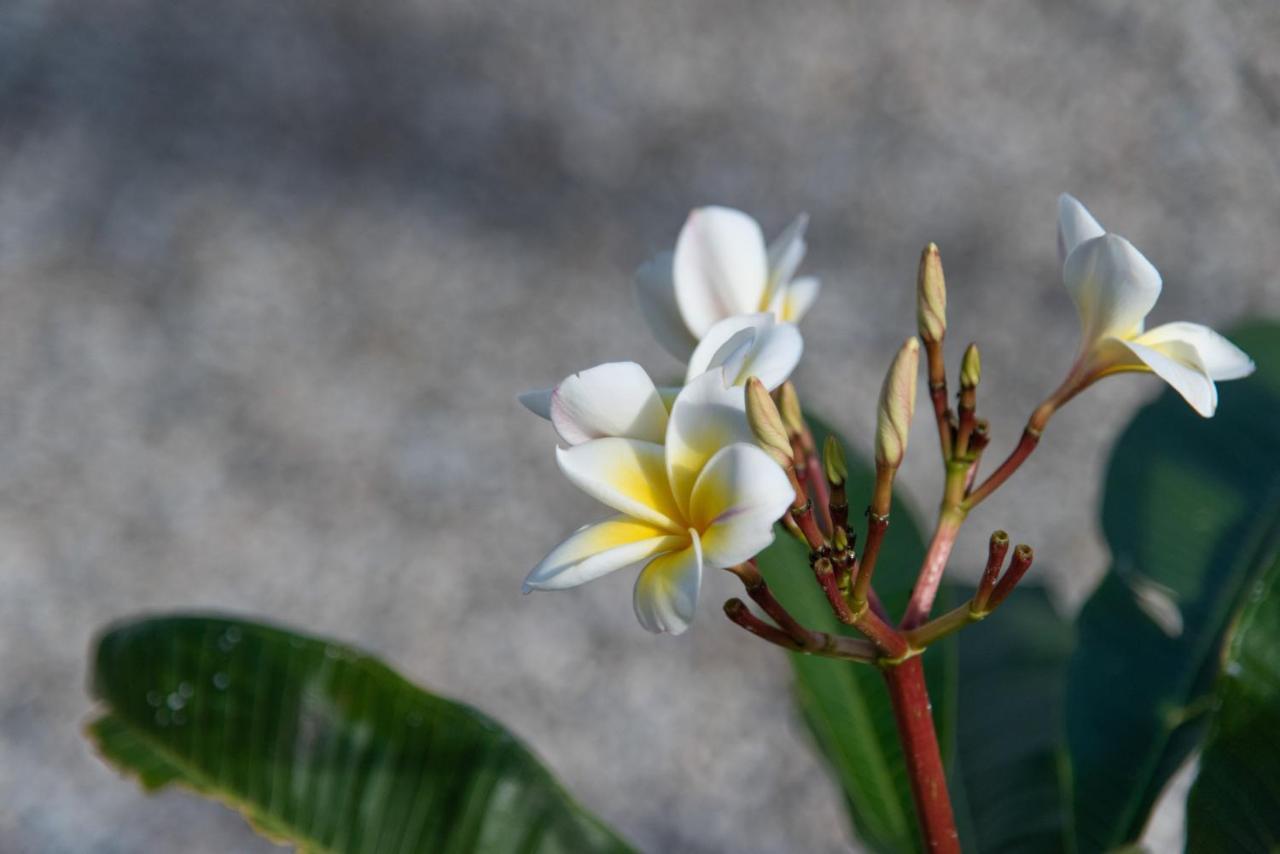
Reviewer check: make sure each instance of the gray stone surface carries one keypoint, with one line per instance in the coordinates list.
(272, 273)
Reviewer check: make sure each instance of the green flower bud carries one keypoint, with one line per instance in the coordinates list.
(970, 368)
(766, 423)
(931, 296)
(897, 405)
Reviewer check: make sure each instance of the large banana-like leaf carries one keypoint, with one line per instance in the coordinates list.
(1235, 803)
(321, 746)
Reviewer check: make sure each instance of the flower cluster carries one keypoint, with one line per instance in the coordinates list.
(680, 466)
(698, 476)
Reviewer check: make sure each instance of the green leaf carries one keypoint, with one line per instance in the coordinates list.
(846, 705)
(322, 746)
(1011, 740)
(1235, 803)
(1190, 505)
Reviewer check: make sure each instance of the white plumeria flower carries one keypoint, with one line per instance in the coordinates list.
(619, 398)
(1114, 288)
(707, 497)
(721, 268)
(614, 399)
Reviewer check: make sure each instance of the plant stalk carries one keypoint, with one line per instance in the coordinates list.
(928, 776)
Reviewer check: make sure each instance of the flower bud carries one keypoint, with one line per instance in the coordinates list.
(766, 423)
(931, 296)
(833, 462)
(897, 405)
(970, 368)
(789, 404)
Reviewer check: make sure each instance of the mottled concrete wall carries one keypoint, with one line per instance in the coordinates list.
(272, 273)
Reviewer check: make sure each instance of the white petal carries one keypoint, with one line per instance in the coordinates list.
(1075, 226)
(724, 343)
(625, 474)
(706, 417)
(666, 594)
(596, 550)
(1222, 359)
(736, 501)
(537, 401)
(613, 399)
(773, 356)
(800, 296)
(656, 295)
(720, 267)
(771, 351)
(1179, 365)
(785, 255)
(1113, 286)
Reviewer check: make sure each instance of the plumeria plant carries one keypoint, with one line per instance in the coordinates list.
(944, 723)
(699, 483)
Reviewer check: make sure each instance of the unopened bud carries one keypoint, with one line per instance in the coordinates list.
(897, 405)
(839, 539)
(931, 296)
(970, 368)
(833, 463)
(766, 423)
(789, 405)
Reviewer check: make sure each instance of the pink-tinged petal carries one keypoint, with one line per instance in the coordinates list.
(720, 267)
(706, 417)
(1114, 287)
(1222, 359)
(625, 474)
(1179, 365)
(666, 593)
(799, 298)
(785, 256)
(737, 499)
(655, 291)
(1075, 226)
(613, 399)
(537, 401)
(596, 550)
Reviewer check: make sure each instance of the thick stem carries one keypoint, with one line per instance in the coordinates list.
(928, 776)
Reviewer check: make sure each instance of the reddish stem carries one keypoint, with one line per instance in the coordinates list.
(937, 371)
(825, 572)
(1030, 438)
(1022, 557)
(928, 777)
(736, 610)
(821, 492)
(935, 563)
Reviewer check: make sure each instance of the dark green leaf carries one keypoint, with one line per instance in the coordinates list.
(1235, 803)
(322, 746)
(846, 705)
(1011, 740)
(1190, 504)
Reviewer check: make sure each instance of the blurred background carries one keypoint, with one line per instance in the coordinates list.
(271, 275)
